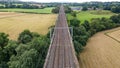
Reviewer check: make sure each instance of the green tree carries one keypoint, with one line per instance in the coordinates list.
(84, 8)
(77, 31)
(92, 31)
(41, 44)
(35, 35)
(6, 53)
(32, 54)
(78, 47)
(25, 37)
(86, 24)
(74, 14)
(67, 9)
(115, 18)
(107, 23)
(10, 48)
(28, 59)
(115, 9)
(74, 22)
(96, 24)
(55, 10)
(3, 39)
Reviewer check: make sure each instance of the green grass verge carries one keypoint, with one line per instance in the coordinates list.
(88, 15)
(45, 10)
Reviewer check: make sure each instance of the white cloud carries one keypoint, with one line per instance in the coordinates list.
(69, 0)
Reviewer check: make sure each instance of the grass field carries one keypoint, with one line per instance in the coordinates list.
(44, 11)
(102, 51)
(88, 15)
(14, 23)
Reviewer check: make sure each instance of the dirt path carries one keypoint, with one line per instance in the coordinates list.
(102, 51)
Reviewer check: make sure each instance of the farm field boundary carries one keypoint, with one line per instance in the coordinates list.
(32, 11)
(15, 15)
(109, 32)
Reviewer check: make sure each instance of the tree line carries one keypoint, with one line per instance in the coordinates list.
(23, 5)
(83, 31)
(112, 6)
(66, 8)
(29, 51)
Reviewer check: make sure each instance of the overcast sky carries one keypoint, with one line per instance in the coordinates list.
(69, 0)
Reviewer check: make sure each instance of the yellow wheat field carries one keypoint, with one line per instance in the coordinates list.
(102, 51)
(14, 23)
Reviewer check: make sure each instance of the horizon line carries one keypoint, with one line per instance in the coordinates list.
(69, 2)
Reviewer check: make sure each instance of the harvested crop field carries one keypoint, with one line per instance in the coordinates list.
(114, 34)
(7, 14)
(102, 51)
(14, 23)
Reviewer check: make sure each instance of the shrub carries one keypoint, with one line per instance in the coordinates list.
(25, 37)
(55, 10)
(74, 22)
(86, 24)
(3, 39)
(74, 14)
(78, 47)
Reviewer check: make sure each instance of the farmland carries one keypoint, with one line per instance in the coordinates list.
(102, 51)
(88, 15)
(14, 23)
(114, 34)
(43, 11)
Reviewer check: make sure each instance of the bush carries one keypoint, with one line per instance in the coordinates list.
(115, 18)
(115, 9)
(31, 54)
(55, 10)
(79, 30)
(96, 24)
(3, 39)
(92, 31)
(74, 14)
(84, 8)
(25, 37)
(86, 24)
(78, 47)
(28, 59)
(67, 9)
(6, 53)
(74, 22)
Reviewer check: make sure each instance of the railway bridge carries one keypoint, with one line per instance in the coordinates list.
(61, 53)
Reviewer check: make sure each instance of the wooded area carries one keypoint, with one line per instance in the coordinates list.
(29, 51)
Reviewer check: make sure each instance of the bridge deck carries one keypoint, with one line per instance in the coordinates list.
(61, 52)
